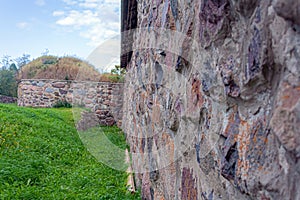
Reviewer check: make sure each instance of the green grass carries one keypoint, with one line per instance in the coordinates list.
(43, 157)
(107, 145)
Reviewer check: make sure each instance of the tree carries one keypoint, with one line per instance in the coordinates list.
(6, 61)
(8, 83)
(13, 67)
(22, 60)
(45, 52)
(118, 70)
(8, 73)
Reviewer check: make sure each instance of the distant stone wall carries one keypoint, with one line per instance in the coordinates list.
(6, 99)
(103, 98)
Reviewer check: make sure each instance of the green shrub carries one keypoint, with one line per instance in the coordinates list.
(118, 70)
(117, 74)
(50, 61)
(116, 78)
(62, 104)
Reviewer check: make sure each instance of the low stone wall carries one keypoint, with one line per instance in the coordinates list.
(6, 99)
(103, 98)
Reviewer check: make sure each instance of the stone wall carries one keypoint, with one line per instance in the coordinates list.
(6, 99)
(103, 98)
(212, 111)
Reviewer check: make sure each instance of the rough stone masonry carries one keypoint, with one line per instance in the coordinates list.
(212, 93)
(104, 99)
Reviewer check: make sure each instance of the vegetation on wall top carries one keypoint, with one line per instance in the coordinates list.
(67, 68)
(61, 68)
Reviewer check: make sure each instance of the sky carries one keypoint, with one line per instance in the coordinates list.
(63, 27)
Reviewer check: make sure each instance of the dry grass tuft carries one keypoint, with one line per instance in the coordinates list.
(64, 68)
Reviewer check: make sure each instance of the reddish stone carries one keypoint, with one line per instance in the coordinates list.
(290, 95)
(188, 185)
(58, 85)
(88, 101)
(110, 121)
(197, 97)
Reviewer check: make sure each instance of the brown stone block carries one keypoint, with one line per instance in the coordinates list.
(58, 85)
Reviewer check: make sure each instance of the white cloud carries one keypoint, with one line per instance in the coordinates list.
(70, 2)
(89, 4)
(23, 25)
(58, 13)
(40, 2)
(99, 33)
(76, 18)
(96, 20)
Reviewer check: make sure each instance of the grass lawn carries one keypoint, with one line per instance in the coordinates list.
(43, 157)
